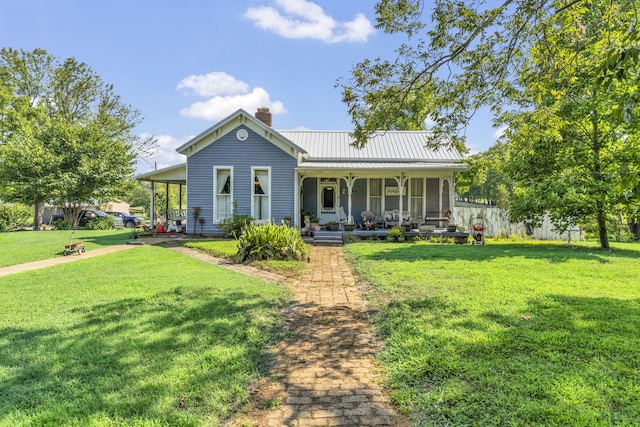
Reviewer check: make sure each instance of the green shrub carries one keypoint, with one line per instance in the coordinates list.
(350, 238)
(13, 216)
(233, 226)
(270, 241)
(395, 235)
(61, 224)
(103, 223)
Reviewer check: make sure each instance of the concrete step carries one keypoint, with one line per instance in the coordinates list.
(324, 242)
(327, 238)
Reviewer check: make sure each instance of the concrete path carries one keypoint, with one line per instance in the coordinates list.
(61, 260)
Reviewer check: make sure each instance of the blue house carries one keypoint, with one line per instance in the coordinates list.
(243, 165)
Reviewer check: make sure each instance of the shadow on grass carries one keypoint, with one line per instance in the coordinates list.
(555, 253)
(563, 360)
(114, 238)
(178, 357)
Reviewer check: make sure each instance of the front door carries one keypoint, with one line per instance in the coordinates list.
(328, 200)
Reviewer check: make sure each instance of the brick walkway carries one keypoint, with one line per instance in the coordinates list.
(324, 372)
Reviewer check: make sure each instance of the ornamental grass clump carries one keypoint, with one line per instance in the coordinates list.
(270, 241)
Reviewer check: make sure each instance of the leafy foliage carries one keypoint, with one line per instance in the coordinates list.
(568, 150)
(270, 241)
(61, 224)
(233, 227)
(486, 179)
(462, 55)
(13, 216)
(395, 234)
(102, 223)
(66, 136)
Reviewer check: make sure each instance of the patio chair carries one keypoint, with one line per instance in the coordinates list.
(368, 220)
(392, 218)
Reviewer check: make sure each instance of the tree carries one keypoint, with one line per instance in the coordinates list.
(561, 73)
(570, 150)
(469, 57)
(65, 136)
(487, 179)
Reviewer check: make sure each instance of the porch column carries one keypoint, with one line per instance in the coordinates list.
(296, 199)
(166, 209)
(350, 182)
(152, 204)
(452, 192)
(401, 181)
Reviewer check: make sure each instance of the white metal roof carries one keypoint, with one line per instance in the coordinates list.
(390, 146)
(382, 165)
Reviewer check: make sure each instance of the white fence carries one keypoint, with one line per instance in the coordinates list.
(496, 222)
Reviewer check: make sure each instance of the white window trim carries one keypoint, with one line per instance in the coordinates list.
(269, 195)
(217, 220)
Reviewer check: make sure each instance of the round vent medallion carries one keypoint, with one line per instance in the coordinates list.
(242, 134)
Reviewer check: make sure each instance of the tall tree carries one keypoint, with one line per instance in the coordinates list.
(65, 136)
(570, 149)
(563, 74)
(487, 178)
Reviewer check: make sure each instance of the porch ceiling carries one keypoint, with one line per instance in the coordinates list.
(176, 174)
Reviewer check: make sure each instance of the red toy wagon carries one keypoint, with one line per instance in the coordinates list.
(74, 247)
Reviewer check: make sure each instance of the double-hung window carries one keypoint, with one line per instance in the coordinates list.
(223, 188)
(375, 195)
(261, 200)
(416, 197)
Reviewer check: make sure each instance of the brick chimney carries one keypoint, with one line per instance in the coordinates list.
(264, 116)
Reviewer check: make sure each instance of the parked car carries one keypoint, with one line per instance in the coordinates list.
(86, 216)
(129, 221)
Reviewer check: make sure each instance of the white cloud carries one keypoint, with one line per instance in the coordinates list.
(499, 132)
(300, 19)
(225, 95)
(212, 84)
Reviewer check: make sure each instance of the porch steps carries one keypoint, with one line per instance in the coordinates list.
(327, 238)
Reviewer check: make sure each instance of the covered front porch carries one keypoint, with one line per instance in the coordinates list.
(383, 197)
(167, 197)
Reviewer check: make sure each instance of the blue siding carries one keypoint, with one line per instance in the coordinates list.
(310, 195)
(242, 156)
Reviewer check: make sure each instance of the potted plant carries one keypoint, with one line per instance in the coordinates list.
(306, 217)
(427, 228)
(349, 226)
(396, 234)
(452, 227)
(314, 223)
(287, 221)
(332, 225)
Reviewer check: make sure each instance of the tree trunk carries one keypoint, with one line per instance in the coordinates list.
(37, 214)
(602, 229)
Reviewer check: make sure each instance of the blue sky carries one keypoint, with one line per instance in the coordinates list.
(187, 64)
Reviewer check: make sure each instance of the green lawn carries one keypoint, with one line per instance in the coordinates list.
(26, 246)
(229, 248)
(145, 337)
(508, 334)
